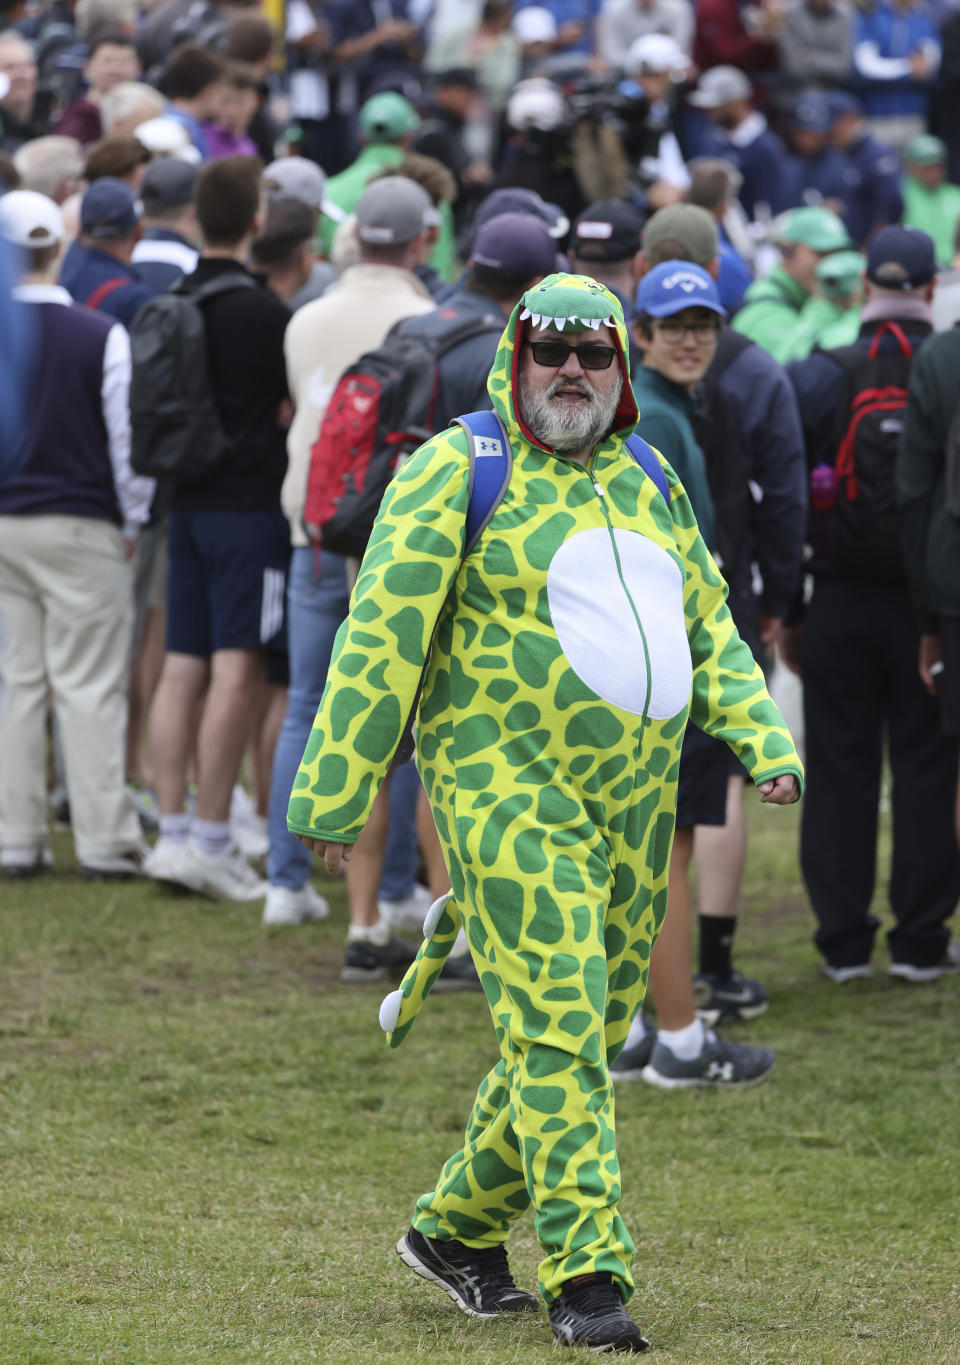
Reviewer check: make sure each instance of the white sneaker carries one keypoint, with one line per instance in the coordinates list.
(18, 863)
(167, 862)
(249, 833)
(948, 964)
(228, 877)
(122, 867)
(285, 906)
(409, 912)
(841, 975)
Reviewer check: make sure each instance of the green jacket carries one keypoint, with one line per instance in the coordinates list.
(822, 324)
(665, 422)
(770, 313)
(929, 532)
(936, 212)
(343, 191)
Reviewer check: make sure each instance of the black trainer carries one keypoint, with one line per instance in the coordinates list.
(366, 961)
(736, 998)
(458, 974)
(590, 1312)
(478, 1281)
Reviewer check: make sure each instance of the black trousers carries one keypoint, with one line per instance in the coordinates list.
(859, 679)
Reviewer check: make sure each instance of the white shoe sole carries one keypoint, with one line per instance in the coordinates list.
(411, 1259)
(656, 1078)
(920, 976)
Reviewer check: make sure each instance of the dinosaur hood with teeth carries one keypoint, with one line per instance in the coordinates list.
(559, 303)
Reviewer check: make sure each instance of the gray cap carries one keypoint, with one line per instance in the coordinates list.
(297, 178)
(167, 184)
(393, 211)
(719, 86)
(688, 231)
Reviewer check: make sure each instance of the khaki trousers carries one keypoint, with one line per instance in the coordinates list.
(67, 606)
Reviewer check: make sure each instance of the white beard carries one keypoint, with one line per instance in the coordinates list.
(568, 427)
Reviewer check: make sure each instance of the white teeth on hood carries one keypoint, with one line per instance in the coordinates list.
(525, 314)
(593, 323)
(559, 323)
(534, 318)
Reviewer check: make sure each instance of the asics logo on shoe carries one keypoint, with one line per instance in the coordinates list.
(468, 1284)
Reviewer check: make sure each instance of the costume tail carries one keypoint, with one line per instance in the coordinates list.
(400, 1008)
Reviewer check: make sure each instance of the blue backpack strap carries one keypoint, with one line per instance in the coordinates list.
(491, 464)
(646, 458)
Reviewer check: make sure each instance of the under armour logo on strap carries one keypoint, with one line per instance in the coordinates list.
(489, 445)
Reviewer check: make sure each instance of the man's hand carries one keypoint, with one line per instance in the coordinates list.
(791, 647)
(780, 791)
(334, 855)
(771, 628)
(929, 655)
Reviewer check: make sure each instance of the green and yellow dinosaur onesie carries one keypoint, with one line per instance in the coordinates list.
(563, 658)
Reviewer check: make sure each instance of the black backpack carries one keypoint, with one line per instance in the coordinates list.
(380, 412)
(853, 522)
(177, 433)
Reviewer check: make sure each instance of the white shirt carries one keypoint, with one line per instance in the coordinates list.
(134, 493)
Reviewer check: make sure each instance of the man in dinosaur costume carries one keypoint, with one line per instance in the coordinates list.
(561, 659)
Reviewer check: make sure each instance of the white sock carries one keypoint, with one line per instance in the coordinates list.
(211, 837)
(176, 828)
(684, 1043)
(377, 933)
(638, 1030)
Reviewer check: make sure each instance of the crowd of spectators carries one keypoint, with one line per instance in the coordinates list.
(401, 163)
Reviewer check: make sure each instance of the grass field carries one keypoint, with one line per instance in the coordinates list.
(207, 1153)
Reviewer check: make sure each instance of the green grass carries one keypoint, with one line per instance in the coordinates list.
(207, 1153)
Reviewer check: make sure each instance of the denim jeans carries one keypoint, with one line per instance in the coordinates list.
(315, 609)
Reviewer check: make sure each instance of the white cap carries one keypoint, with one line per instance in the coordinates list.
(535, 24)
(719, 86)
(30, 219)
(166, 137)
(297, 177)
(536, 103)
(655, 53)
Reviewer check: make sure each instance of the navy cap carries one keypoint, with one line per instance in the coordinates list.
(514, 199)
(901, 258)
(517, 243)
(812, 113)
(841, 102)
(608, 230)
(167, 184)
(675, 285)
(109, 209)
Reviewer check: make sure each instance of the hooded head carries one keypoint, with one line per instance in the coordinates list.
(574, 310)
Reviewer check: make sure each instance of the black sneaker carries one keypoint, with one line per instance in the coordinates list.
(721, 1065)
(366, 961)
(736, 998)
(478, 1281)
(590, 1312)
(629, 1065)
(458, 974)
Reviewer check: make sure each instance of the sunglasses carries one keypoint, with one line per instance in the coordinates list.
(592, 355)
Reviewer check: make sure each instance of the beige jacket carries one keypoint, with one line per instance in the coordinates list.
(322, 339)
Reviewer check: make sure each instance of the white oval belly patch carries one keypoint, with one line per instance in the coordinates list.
(597, 629)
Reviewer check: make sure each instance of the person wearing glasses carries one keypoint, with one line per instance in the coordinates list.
(677, 322)
(559, 660)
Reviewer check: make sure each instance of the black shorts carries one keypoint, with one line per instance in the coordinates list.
(949, 684)
(706, 765)
(227, 579)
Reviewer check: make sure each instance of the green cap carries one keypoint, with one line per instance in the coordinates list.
(387, 117)
(925, 150)
(839, 273)
(820, 229)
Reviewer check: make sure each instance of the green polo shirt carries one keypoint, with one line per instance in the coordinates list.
(666, 423)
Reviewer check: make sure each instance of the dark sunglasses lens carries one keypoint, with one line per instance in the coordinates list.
(596, 357)
(550, 352)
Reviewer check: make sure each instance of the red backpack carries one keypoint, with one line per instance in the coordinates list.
(379, 413)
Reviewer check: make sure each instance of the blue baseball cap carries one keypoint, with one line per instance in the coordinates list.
(109, 209)
(812, 113)
(901, 258)
(516, 199)
(517, 243)
(675, 285)
(841, 102)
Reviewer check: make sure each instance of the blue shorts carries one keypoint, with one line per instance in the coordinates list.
(227, 578)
